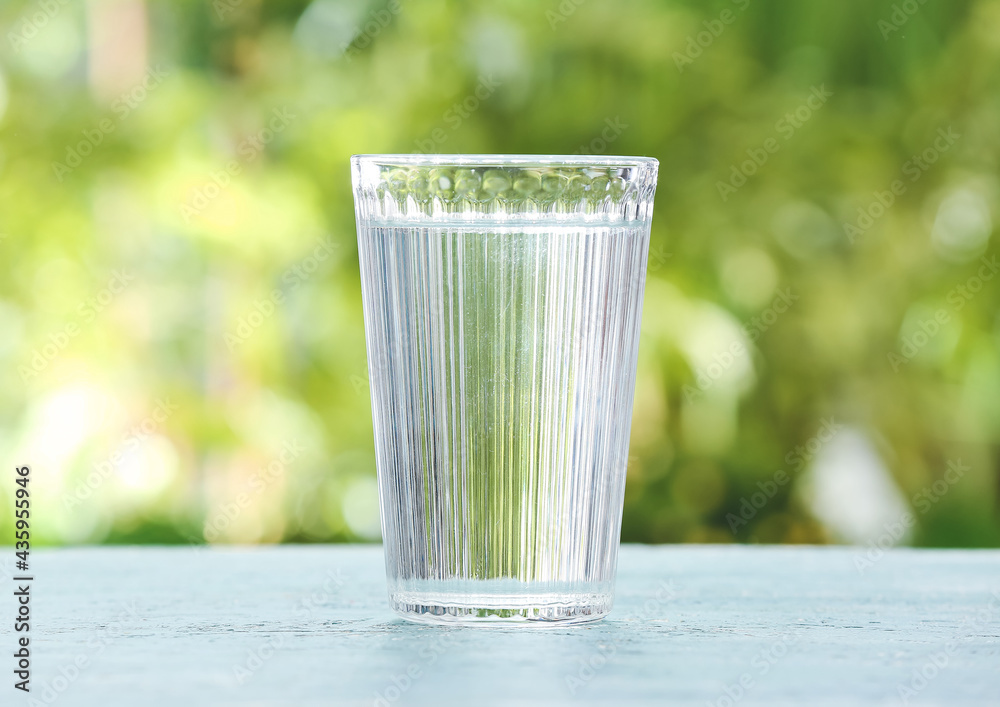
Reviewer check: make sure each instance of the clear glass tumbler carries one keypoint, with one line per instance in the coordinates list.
(502, 299)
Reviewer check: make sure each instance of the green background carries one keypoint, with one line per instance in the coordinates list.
(165, 167)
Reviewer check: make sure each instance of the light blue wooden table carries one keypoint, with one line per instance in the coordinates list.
(309, 625)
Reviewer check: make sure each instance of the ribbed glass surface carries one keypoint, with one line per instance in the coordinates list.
(502, 332)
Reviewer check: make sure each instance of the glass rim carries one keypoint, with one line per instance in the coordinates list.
(503, 160)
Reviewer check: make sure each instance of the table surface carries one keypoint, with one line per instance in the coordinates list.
(703, 625)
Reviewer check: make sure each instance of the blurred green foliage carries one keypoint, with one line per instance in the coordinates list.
(182, 351)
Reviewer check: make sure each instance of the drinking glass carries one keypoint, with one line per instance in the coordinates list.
(502, 298)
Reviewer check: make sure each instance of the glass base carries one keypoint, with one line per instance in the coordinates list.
(480, 606)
